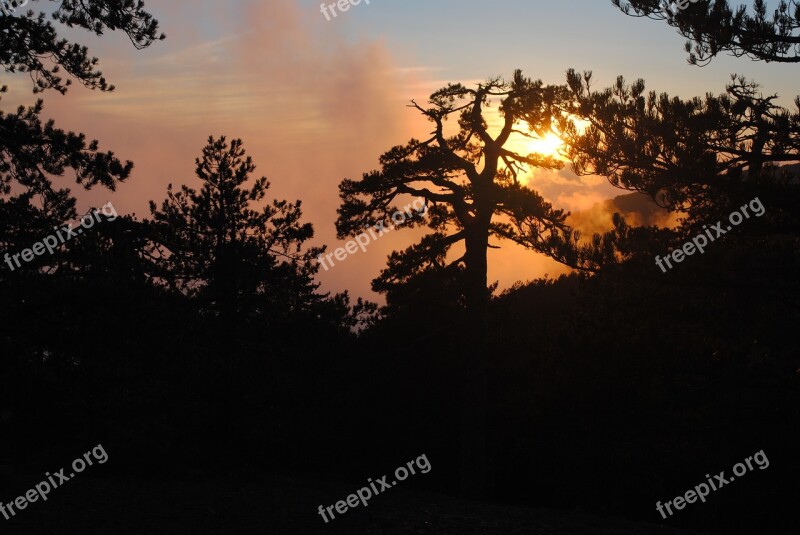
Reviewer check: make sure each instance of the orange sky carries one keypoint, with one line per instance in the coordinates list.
(314, 102)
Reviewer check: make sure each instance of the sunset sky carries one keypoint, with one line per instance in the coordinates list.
(316, 101)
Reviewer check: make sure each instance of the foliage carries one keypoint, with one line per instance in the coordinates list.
(703, 157)
(470, 181)
(715, 27)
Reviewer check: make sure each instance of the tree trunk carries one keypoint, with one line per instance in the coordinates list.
(474, 371)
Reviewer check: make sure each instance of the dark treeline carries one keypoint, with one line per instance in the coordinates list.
(605, 392)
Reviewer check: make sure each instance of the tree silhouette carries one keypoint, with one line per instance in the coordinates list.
(33, 152)
(212, 245)
(702, 156)
(28, 40)
(248, 275)
(470, 183)
(714, 28)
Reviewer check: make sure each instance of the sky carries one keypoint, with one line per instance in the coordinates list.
(316, 100)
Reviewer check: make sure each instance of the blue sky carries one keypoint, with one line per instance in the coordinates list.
(468, 39)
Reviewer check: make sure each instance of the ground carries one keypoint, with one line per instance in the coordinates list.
(278, 505)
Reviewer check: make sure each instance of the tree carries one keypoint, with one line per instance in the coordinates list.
(718, 27)
(703, 156)
(245, 269)
(28, 40)
(31, 152)
(237, 258)
(212, 245)
(470, 181)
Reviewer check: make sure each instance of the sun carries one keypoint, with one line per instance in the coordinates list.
(548, 145)
(525, 142)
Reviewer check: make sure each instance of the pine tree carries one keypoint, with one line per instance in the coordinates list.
(715, 27)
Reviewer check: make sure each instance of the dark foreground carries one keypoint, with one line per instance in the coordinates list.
(281, 506)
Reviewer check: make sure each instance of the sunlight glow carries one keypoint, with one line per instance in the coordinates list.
(549, 145)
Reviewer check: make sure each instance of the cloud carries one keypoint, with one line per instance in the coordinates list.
(312, 106)
(638, 209)
(578, 200)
